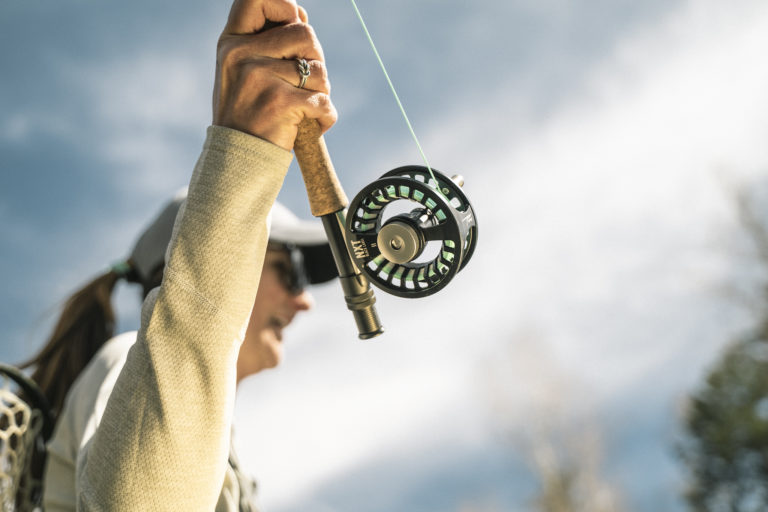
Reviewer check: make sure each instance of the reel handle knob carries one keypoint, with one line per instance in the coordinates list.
(327, 200)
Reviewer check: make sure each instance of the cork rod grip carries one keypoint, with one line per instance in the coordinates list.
(323, 187)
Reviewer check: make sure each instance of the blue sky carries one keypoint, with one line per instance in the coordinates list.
(599, 142)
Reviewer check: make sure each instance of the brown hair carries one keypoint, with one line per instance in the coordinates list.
(86, 322)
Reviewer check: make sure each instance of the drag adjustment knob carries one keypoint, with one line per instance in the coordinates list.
(400, 242)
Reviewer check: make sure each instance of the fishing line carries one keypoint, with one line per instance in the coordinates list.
(409, 254)
(394, 93)
(372, 247)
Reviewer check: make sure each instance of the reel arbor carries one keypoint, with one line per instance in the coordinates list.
(409, 234)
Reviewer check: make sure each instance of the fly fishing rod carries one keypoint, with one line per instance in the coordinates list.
(409, 232)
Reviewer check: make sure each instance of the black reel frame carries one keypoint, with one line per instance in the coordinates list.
(369, 246)
(387, 249)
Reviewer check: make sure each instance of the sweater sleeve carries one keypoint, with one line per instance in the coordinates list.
(164, 438)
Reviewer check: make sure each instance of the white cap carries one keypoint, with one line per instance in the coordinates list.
(285, 228)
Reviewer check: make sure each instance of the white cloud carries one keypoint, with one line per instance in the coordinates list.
(148, 116)
(15, 128)
(19, 127)
(597, 227)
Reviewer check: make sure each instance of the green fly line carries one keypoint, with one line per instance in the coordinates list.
(394, 93)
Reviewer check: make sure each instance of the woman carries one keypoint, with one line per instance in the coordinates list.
(163, 440)
(297, 255)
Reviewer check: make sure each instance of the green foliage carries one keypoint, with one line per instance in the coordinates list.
(726, 448)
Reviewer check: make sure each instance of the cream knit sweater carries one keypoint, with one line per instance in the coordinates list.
(163, 441)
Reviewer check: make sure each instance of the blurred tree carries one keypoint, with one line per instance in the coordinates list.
(552, 426)
(567, 463)
(726, 422)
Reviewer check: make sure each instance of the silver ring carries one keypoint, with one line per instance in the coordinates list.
(303, 72)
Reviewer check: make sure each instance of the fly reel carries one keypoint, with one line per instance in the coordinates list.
(409, 235)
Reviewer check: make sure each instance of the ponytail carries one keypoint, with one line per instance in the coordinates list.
(87, 321)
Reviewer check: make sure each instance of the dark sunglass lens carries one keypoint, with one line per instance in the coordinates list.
(298, 276)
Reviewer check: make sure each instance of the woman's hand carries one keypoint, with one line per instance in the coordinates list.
(257, 72)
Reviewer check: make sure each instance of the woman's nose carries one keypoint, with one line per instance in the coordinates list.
(303, 301)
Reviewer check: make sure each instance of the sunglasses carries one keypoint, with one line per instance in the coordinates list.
(291, 272)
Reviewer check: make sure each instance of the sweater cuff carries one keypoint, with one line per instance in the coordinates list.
(250, 146)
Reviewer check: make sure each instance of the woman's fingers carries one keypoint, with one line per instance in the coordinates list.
(246, 53)
(319, 106)
(309, 104)
(250, 16)
(293, 41)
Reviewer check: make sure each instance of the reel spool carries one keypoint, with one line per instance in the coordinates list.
(417, 252)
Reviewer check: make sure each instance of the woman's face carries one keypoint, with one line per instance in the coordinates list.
(274, 308)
